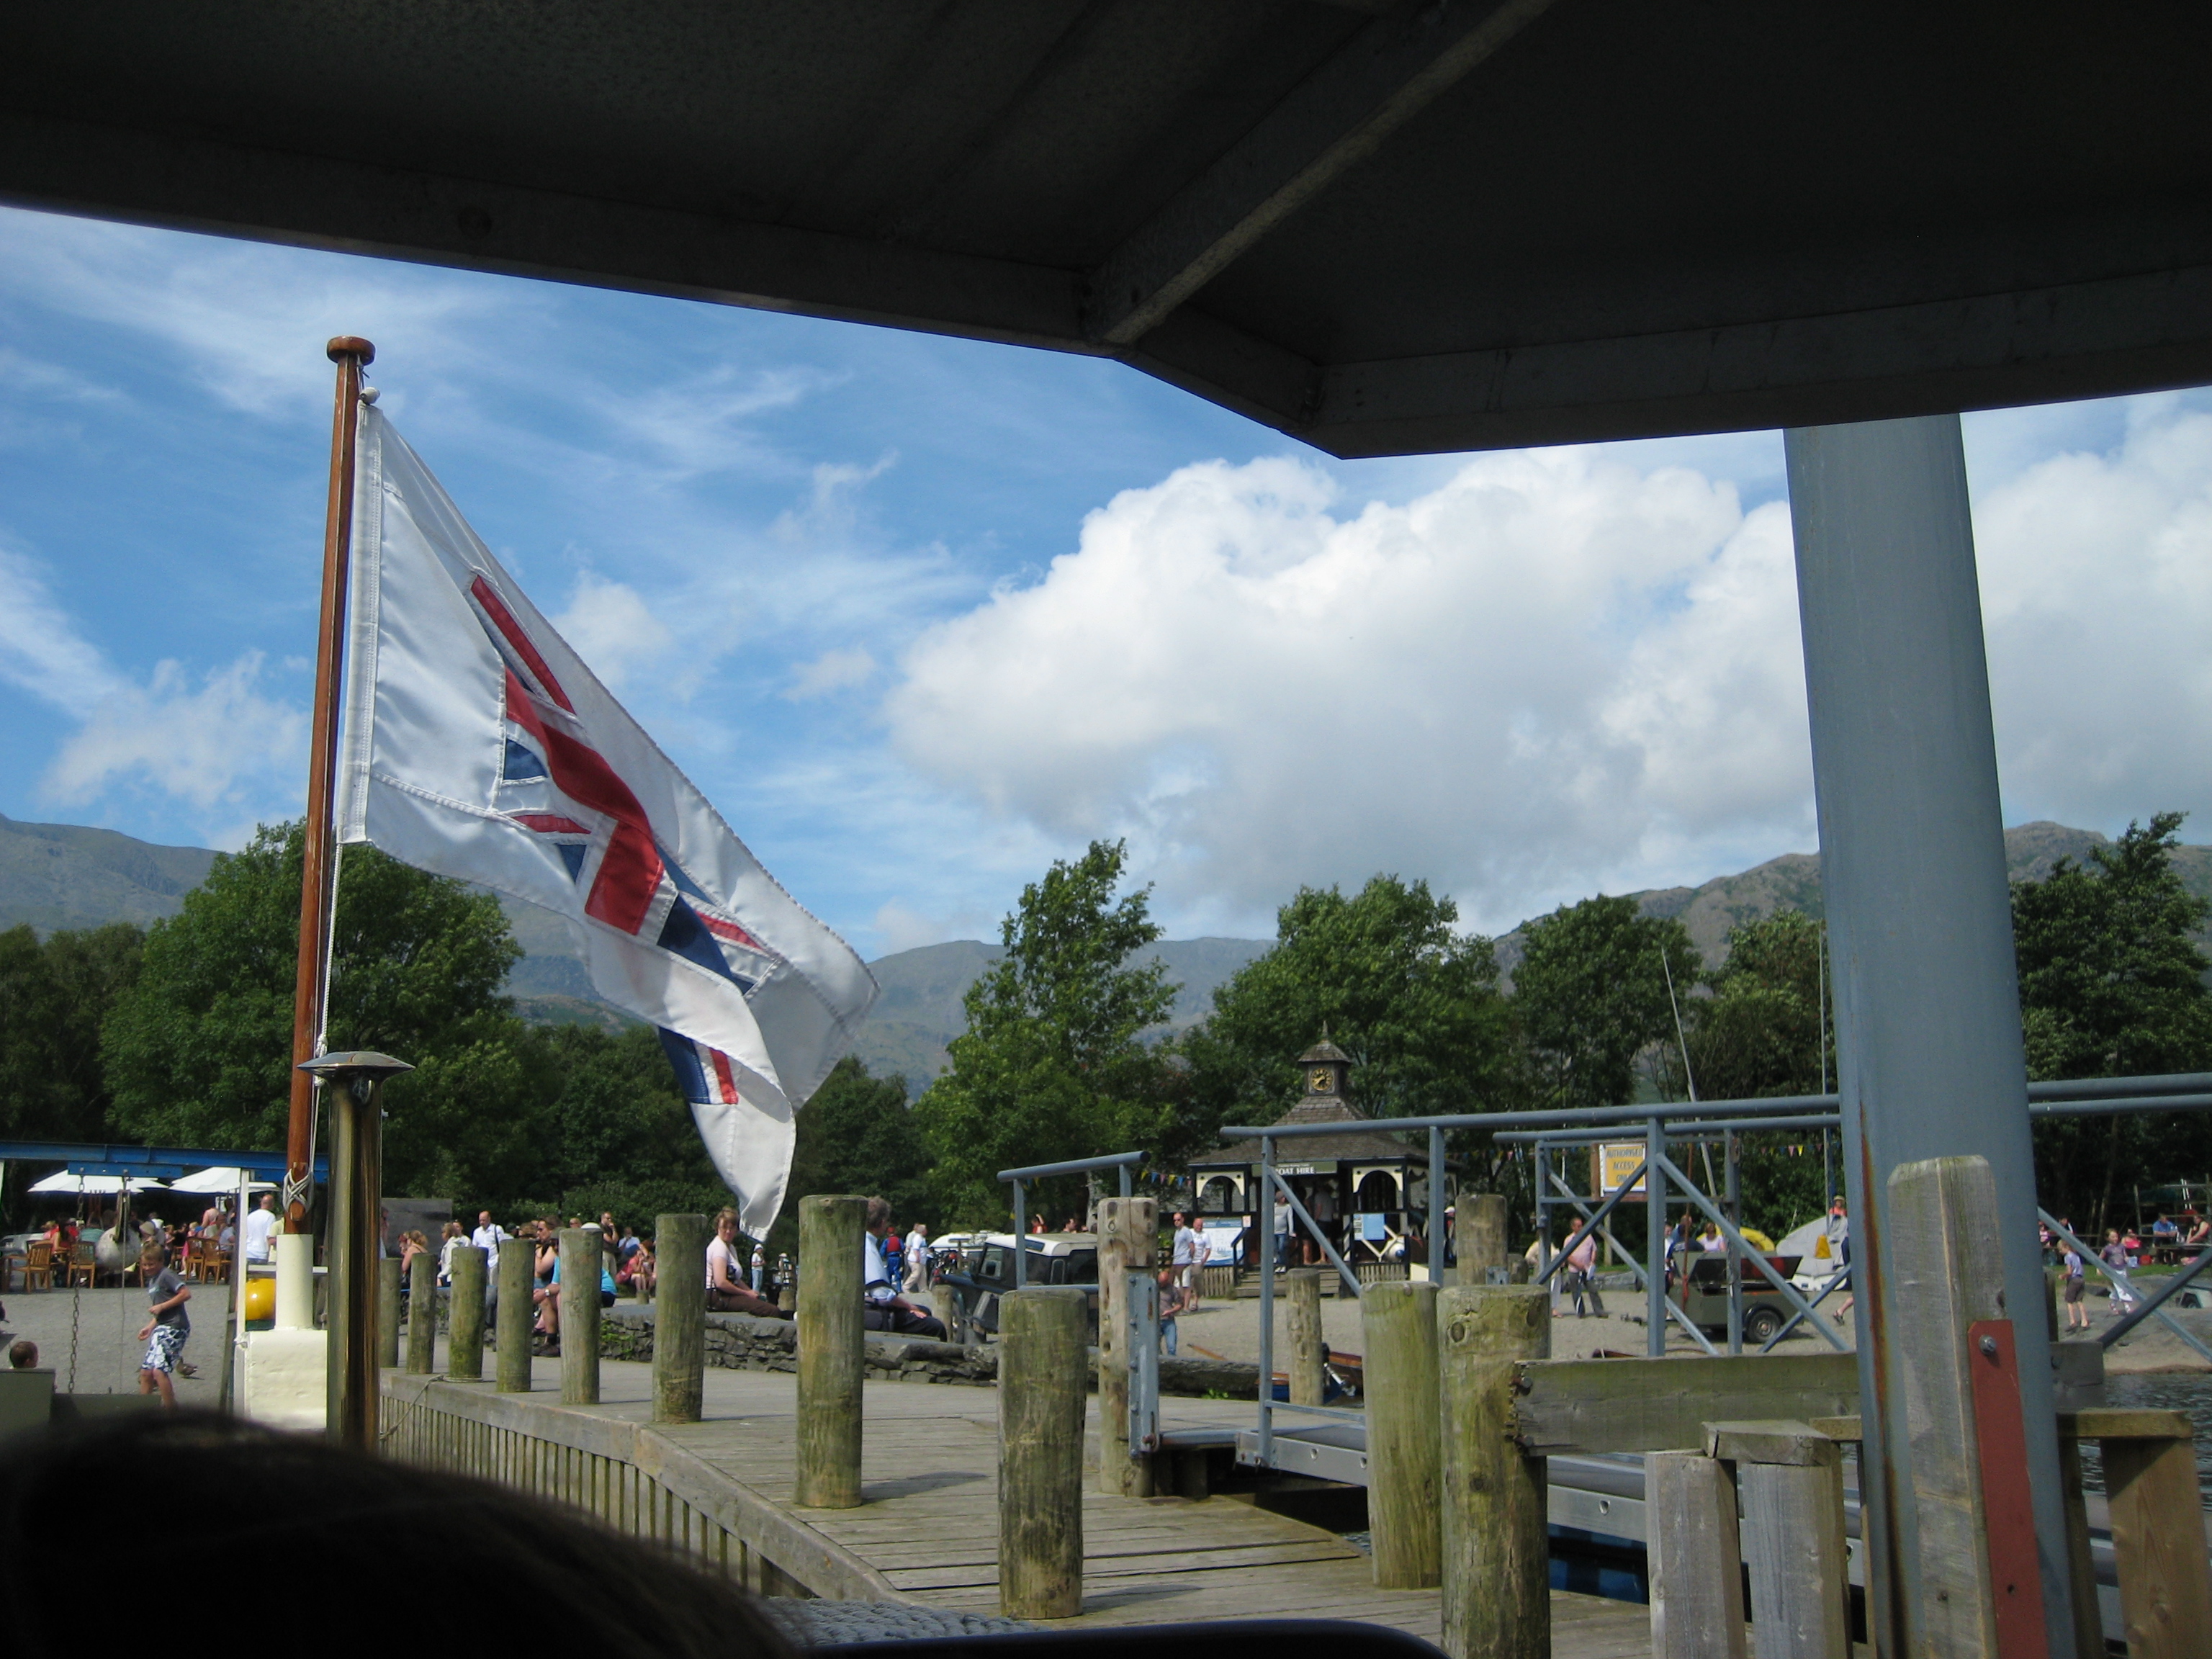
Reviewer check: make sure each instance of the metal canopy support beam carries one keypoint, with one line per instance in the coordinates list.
(1387, 74)
(1920, 924)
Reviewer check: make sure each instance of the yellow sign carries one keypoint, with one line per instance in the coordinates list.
(1616, 1161)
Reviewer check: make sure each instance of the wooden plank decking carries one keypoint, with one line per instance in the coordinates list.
(930, 1523)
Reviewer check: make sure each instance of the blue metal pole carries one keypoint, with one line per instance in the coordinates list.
(1655, 1240)
(1930, 1057)
(1267, 1219)
(1434, 1225)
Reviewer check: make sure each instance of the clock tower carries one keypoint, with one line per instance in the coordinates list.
(1325, 1067)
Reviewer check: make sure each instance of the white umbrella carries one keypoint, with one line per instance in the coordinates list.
(63, 1181)
(217, 1178)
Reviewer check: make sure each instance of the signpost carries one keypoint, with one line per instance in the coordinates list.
(1615, 1162)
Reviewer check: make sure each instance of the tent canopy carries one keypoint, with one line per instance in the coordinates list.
(1383, 228)
(219, 1178)
(63, 1181)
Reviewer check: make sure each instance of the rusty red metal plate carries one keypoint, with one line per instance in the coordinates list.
(2000, 1431)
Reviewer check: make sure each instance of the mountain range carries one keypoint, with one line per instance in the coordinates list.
(55, 876)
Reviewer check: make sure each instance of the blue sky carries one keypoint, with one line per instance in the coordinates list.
(920, 614)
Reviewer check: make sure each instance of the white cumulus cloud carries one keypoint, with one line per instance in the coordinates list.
(614, 630)
(214, 740)
(1553, 671)
(2097, 595)
(833, 671)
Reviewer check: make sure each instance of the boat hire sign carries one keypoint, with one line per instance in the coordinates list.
(478, 745)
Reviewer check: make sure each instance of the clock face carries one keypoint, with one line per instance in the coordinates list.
(1320, 1080)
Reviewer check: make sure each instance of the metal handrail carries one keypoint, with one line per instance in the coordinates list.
(1689, 1326)
(1076, 1166)
(2168, 1091)
(1121, 1163)
(2119, 1276)
(1757, 1258)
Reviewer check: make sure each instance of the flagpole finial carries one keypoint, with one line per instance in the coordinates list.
(351, 345)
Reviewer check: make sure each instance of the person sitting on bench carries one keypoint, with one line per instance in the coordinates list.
(885, 1309)
(726, 1292)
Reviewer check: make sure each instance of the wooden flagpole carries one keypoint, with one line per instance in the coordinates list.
(351, 354)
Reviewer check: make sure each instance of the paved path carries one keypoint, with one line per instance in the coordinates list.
(106, 1324)
(930, 1521)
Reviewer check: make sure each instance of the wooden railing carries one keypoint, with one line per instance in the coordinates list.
(632, 1478)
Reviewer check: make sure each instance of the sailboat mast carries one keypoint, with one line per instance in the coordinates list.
(351, 354)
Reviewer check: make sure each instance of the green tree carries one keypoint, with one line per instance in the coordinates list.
(619, 1135)
(52, 999)
(1414, 1002)
(1053, 1064)
(2111, 985)
(859, 1135)
(1590, 996)
(198, 1049)
(1760, 1033)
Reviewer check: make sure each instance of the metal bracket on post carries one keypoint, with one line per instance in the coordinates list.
(2000, 1437)
(1143, 1337)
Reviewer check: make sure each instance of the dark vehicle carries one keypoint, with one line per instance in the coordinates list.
(987, 1271)
(1705, 1297)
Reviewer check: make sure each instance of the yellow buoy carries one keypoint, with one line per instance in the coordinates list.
(260, 1298)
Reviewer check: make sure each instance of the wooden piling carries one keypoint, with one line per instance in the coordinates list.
(1042, 1340)
(679, 1319)
(2158, 1531)
(1792, 1480)
(387, 1311)
(518, 1278)
(2080, 1563)
(1404, 1456)
(1694, 1549)
(944, 1303)
(465, 1319)
(579, 1316)
(1495, 1536)
(1309, 1348)
(1946, 1273)
(422, 1313)
(1478, 1226)
(832, 1352)
(1128, 1240)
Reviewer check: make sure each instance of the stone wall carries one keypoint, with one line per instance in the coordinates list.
(739, 1342)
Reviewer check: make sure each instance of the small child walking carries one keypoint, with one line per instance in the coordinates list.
(166, 1326)
(2077, 1284)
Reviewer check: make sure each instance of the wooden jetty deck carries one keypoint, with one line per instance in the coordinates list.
(929, 1527)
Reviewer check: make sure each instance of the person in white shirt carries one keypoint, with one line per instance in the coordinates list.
(726, 1290)
(449, 1238)
(883, 1307)
(1187, 1257)
(487, 1236)
(260, 1226)
(760, 1266)
(917, 1258)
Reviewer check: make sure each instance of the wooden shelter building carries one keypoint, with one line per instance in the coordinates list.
(1366, 1189)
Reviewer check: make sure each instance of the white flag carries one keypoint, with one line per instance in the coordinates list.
(478, 745)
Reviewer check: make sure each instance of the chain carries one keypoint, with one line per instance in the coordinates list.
(76, 1308)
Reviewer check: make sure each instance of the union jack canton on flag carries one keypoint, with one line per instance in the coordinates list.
(478, 745)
